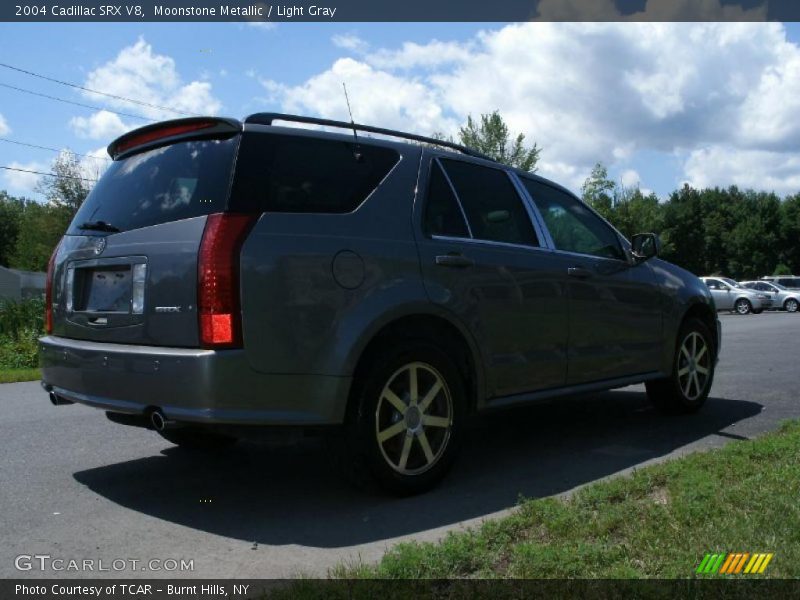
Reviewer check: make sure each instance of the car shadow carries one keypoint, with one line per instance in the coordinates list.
(288, 494)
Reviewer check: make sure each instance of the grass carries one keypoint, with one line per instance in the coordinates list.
(658, 522)
(14, 375)
(21, 324)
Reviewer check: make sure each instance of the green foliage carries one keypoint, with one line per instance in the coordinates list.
(491, 137)
(782, 269)
(21, 324)
(10, 215)
(657, 522)
(598, 191)
(69, 188)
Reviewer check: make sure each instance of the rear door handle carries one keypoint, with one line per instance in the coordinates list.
(458, 261)
(579, 272)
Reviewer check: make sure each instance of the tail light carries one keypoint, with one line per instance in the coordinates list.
(48, 292)
(218, 302)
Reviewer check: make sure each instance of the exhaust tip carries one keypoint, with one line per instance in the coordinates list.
(159, 421)
(57, 400)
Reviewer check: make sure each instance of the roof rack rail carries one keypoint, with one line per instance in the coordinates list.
(268, 118)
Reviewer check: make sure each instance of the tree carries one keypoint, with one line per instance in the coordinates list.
(598, 191)
(70, 185)
(491, 137)
(10, 213)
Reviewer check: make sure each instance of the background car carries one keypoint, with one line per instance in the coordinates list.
(791, 282)
(782, 298)
(729, 295)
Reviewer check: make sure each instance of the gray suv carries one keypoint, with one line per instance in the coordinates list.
(225, 276)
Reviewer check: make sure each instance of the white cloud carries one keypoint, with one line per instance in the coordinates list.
(375, 97)
(350, 41)
(262, 25)
(585, 92)
(4, 128)
(102, 125)
(139, 73)
(22, 183)
(757, 169)
(630, 178)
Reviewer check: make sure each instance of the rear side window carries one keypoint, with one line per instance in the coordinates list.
(790, 282)
(174, 182)
(494, 209)
(442, 214)
(284, 173)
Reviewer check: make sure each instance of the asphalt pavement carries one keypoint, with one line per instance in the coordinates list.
(74, 486)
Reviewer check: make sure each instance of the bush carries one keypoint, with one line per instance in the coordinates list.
(21, 324)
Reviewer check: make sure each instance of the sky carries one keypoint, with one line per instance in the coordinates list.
(659, 104)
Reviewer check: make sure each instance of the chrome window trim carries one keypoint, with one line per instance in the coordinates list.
(501, 245)
(455, 195)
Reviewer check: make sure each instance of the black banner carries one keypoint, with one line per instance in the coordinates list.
(407, 10)
(161, 589)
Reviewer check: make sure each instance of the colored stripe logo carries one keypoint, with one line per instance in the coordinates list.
(734, 563)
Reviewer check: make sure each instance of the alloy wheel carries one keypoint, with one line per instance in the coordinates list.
(791, 305)
(694, 365)
(414, 418)
(742, 307)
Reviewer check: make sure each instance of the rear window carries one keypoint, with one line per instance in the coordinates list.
(284, 173)
(179, 181)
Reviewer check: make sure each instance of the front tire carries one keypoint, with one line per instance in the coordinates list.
(403, 428)
(743, 307)
(687, 387)
(790, 305)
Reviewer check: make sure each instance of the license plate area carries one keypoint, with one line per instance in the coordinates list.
(105, 289)
(105, 293)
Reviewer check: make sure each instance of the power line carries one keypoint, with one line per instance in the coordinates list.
(85, 89)
(18, 143)
(122, 114)
(46, 174)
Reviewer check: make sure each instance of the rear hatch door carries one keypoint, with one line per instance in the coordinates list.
(126, 270)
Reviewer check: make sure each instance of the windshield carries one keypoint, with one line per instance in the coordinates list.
(170, 183)
(731, 282)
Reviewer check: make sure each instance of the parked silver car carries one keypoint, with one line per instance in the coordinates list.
(729, 295)
(791, 282)
(782, 298)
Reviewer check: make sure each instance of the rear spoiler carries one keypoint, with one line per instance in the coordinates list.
(167, 132)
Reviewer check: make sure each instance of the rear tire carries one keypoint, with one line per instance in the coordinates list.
(197, 439)
(687, 387)
(742, 307)
(404, 422)
(790, 305)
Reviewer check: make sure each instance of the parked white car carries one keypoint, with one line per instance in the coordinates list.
(782, 298)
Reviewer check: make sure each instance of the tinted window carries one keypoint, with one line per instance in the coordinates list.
(573, 227)
(791, 282)
(714, 284)
(442, 213)
(183, 180)
(284, 173)
(494, 209)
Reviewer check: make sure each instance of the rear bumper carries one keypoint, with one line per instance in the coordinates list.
(191, 385)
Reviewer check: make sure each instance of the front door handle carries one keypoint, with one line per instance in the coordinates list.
(458, 261)
(579, 272)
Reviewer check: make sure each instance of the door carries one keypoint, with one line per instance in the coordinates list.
(482, 260)
(723, 298)
(615, 307)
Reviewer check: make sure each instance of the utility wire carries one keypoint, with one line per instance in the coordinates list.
(45, 174)
(122, 114)
(85, 89)
(18, 143)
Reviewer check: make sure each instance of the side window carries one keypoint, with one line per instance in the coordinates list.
(442, 214)
(493, 207)
(713, 284)
(287, 173)
(573, 227)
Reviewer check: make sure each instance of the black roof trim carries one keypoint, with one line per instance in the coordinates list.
(268, 118)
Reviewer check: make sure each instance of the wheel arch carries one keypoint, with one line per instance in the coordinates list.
(703, 312)
(431, 325)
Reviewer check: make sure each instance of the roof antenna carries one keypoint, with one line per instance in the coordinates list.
(356, 153)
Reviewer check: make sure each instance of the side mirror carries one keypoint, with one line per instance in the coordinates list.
(644, 246)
